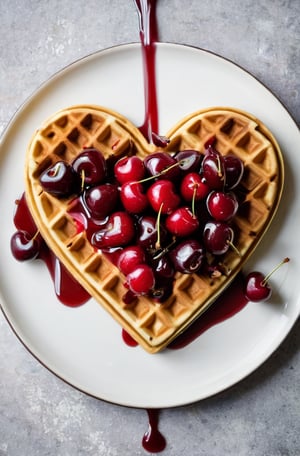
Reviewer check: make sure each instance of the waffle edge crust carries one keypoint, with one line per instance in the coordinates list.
(63, 136)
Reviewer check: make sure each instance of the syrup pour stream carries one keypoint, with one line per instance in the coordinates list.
(149, 36)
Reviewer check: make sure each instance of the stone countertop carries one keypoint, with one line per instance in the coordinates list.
(40, 415)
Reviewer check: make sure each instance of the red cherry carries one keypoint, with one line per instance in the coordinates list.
(90, 165)
(182, 222)
(257, 287)
(234, 169)
(101, 199)
(210, 144)
(189, 160)
(23, 246)
(141, 280)
(188, 256)
(217, 237)
(192, 186)
(150, 232)
(60, 180)
(133, 198)
(130, 257)
(118, 231)
(159, 141)
(222, 206)
(163, 268)
(161, 163)
(212, 169)
(162, 195)
(129, 169)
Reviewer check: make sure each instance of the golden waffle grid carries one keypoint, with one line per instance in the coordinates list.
(153, 325)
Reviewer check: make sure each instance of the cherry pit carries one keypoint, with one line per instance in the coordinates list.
(154, 217)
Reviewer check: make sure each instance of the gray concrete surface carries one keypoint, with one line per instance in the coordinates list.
(39, 414)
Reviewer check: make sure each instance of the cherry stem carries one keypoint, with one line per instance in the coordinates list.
(165, 250)
(157, 244)
(234, 248)
(35, 235)
(231, 244)
(266, 279)
(220, 174)
(194, 199)
(82, 179)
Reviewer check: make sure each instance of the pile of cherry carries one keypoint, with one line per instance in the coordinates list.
(153, 217)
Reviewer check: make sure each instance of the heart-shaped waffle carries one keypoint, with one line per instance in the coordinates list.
(153, 325)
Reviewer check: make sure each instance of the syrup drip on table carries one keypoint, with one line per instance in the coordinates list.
(153, 441)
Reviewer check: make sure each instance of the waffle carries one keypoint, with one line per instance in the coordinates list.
(62, 137)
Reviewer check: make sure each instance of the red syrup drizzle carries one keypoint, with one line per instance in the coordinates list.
(232, 301)
(149, 36)
(67, 289)
(130, 341)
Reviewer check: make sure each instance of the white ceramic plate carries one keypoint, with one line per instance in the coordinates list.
(83, 346)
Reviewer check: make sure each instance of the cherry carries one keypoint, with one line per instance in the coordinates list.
(141, 279)
(23, 246)
(147, 233)
(161, 163)
(60, 180)
(133, 198)
(118, 231)
(188, 256)
(90, 165)
(257, 287)
(162, 195)
(129, 169)
(213, 169)
(189, 160)
(101, 199)
(234, 169)
(162, 291)
(222, 206)
(159, 141)
(130, 257)
(164, 273)
(163, 268)
(209, 145)
(193, 188)
(182, 222)
(217, 237)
